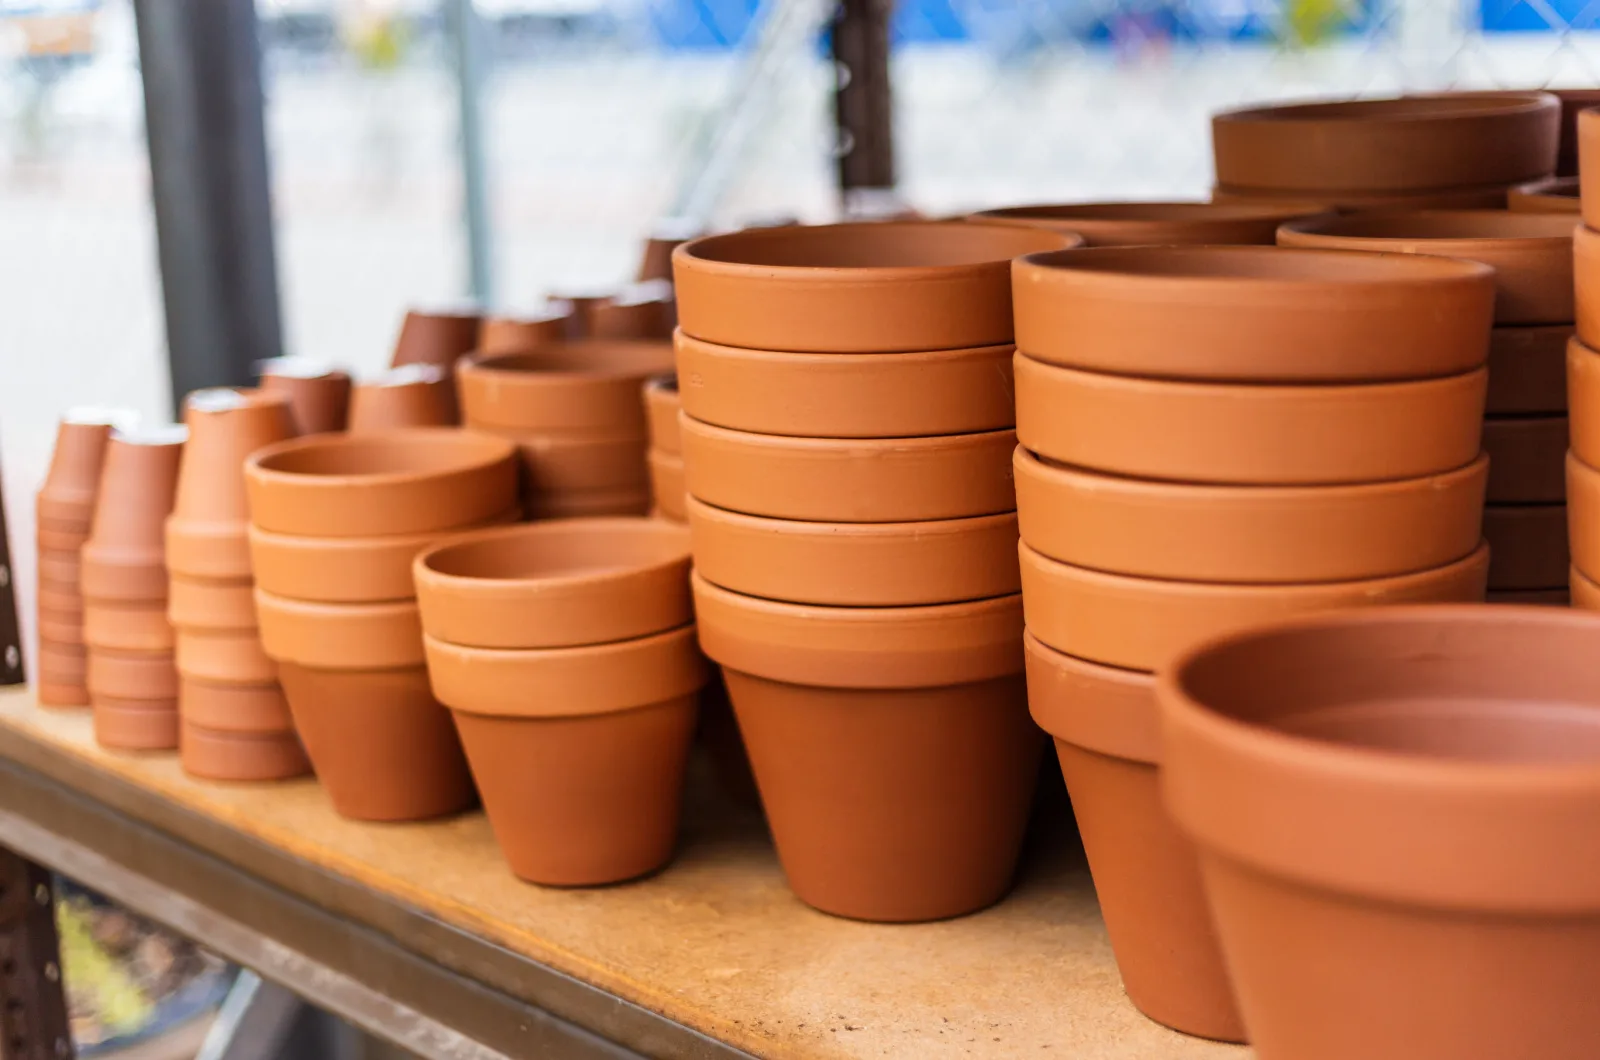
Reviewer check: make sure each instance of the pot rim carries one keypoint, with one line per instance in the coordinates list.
(426, 572)
(1539, 232)
(1151, 212)
(478, 451)
(1114, 733)
(581, 361)
(800, 358)
(663, 387)
(843, 447)
(1401, 110)
(917, 528)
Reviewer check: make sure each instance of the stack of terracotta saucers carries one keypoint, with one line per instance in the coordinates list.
(1583, 378)
(1214, 436)
(846, 437)
(1525, 427)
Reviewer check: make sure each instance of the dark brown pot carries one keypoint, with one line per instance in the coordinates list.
(1527, 545)
(1527, 455)
(416, 395)
(319, 395)
(214, 755)
(1121, 224)
(1528, 370)
(135, 725)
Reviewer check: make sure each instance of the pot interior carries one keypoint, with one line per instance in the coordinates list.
(385, 453)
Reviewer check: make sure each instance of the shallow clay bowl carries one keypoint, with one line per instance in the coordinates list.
(1142, 623)
(587, 385)
(661, 405)
(1122, 224)
(1417, 143)
(1549, 195)
(1586, 281)
(1528, 370)
(1526, 454)
(856, 564)
(876, 287)
(846, 395)
(1531, 254)
(1527, 545)
(340, 636)
(1252, 434)
(1583, 400)
(1260, 314)
(388, 482)
(559, 584)
(1258, 534)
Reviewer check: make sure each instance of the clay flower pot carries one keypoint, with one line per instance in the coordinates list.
(225, 707)
(580, 302)
(205, 535)
(146, 676)
(62, 677)
(1589, 168)
(1528, 370)
(1477, 197)
(65, 602)
(661, 406)
(66, 498)
(1586, 280)
(1107, 733)
(61, 570)
(865, 480)
(53, 539)
(1583, 401)
(391, 482)
(1229, 313)
(60, 628)
(1531, 254)
(1117, 224)
(1253, 534)
(134, 725)
(524, 332)
(1440, 757)
(642, 311)
(856, 564)
(585, 504)
(892, 746)
(1574, 101)
(1557, 195)
(580, 462)
(340, 636)
(214, 755)
(1583, 515)
(1527, 545)
(1142, 623)
(586, 386)
(319, 394)
(127, 626)
(206, 603)
(855, 288)
(125, 558)
(838, 395)
(556, 585)
(415, 395)
(437, 337)
(224, 655)
(1417, 143)
(1527, 455)
(1247, 434)
(667, 489)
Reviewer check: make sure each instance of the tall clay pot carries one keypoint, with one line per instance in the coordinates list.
(67, 495)
(125, 557)
(414, 395)
(319, 395)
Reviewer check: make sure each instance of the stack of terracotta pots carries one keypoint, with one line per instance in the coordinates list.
(1126, 224)
(846, 442)
(574, 411)
(667, 493)
(335, 522)
(318, 393)
(133, 680)
(1457, 151)
(412, 395)
(235, 723)
(1214, 436)
(1525, 429)
(1583, 378)
(566, 651)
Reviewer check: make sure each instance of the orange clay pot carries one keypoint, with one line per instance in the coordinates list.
(125, 558)
(60, 628)
(206, 603)
(437, 337)
(224, 655)
(214, 755)
(655, 263)
(643, 311)
(579, 462)
(63, 570)
(1586, 280)
(1583, 401)
(1583, 515)
(415, 395)
(589, 503)
(382, 636)
(1114, 224)
(661, 405)
(1589, 168)
(63, 665)
(1527, 545)
(667, 489)
(50, 539)
(145, 675)
(586, 386)
(1556, 195)
(1528, 370)
(259, 709)
(135, 725)
(68, 492)
(319, 395)
(64, 602)
(523, 332)
(1526, 457)
(127, 627)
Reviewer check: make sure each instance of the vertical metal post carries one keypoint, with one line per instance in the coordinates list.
(466, 32)
(201, 67)
(862, 99)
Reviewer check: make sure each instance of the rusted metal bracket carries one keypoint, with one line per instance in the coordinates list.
(862, 97)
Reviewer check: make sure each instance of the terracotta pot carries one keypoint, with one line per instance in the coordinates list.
(144, 675)
(135, 725)
(205, 535)
(1586, 281)
(382, 636)
(588, 504)
(1583, 515)
(127, 627)
(1527, 545)
(259, 709)
(1120, 224)
(1247, 434)
(1528, 370)
(1476, 197)
(1583, 401)
(205, 603)
(1437, 756)
(53, 540)
(61, 569)
(60, 628)
(125, 558)
(1256, 534)
(1417, 143)
(1142, 623)
(1585, 592)
(52, 690)
(856, 564)
(64, 602)
(63, 664)
(415, 395)
(319, 394)
(68, 492)
(661, 405)
(1547, 195)
(214, 755)
(1107, 734)
(393, 482)
(437, 336)
(556, 585)
(1589, 168)
(835, 395)
(381, 745)
(1531, 254)
(855, 288)
(867, 480)
(1543, 597)
(643, 311)
(574, 462)
(1526, 457)
(224, 655)
(655, 263)
(1229, 313)
(519, 334)
(589, 386)
(667, 489)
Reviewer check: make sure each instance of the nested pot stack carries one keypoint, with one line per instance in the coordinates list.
(1583, 378)
(235, 724)
(566, 651)
(1210, 437)
(335, 523)
(846, 432)
(1525, 422)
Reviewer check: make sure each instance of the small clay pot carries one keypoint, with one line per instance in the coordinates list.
(1247, 434)
(144, 675)
(667, 489)
(224, 655)
(1583, 514)
(1586, 281)
(1417, 143)
(1542, 597)
(1107, 733)
(856, 395)
(587, 504)
(524, 332)
(206, 603)
(661, 405)
(1439, 758)
(1585, 591)
(642, 311)
(391, 482)
(1229, 313)
(1527, 545)
(1528, 370)
(579, 462)
(1255, 534)
(381, 745)
(127, 626)
(1122, 224)
(855, 288)
(1589, 168)
(587, 386)
(226, 707)
(1557, 195)
(60, 628)
(205, 535)
(555, 585)
(852, 480)
(63, 570)
(125, 558)
(1531, 254)
(1476, 197)
(57, 694)
(319, 394)
(856, 564)
(68, 492)
(382, 636)
(1142, 623)
(1527, 455)
(1583, 401)
(213, 755)
(437, 337)
(135, 725)
(415, 395)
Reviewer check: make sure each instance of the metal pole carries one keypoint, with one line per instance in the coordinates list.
(201, 66)
(861, 103)
(467, 35)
